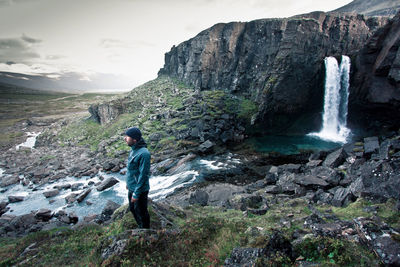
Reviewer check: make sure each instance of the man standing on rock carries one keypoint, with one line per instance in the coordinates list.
(138, 172)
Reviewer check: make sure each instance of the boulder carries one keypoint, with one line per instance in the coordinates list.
(293, 168)
(24, 221)
(310, 181)
(109, 209)
(376, 236)
(51, 193)
(278, 243)
(342, 197)
(243, 257)
(44, 215)
(9, 180)
(3, 207)
(327, 174)
(335, 158)
(107, 183)
(83, 195)
(73, 218)
(199, 197)
(71, 198)
(273, 189)
(371, 145)
(13, 199)
(206, 147)
(76, 186)
(246, 201)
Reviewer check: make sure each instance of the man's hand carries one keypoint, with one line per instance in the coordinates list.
(133, 200)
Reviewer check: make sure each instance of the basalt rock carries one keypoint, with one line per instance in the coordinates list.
(375, 89)
(278, 63)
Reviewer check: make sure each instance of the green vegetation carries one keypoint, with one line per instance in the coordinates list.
(206, 237)
(335, 252)
(20, 104)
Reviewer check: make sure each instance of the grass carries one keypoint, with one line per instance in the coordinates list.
(206, 237)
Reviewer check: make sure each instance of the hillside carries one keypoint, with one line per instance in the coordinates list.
(372, 7)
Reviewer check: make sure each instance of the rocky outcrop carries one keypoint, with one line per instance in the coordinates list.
(372, 7)
(375, 89)
(277, 63)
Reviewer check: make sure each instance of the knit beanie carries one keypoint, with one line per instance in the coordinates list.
(134, 133)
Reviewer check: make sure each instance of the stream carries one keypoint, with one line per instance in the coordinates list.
(160, 187)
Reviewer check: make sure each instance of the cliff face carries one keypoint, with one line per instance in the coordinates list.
(278, 63)
(375, 88)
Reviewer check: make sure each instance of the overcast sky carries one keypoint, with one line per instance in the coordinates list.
(126, 38)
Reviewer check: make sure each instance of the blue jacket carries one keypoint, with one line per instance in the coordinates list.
(138, 170)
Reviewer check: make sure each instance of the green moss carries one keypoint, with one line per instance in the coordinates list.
(353, 210)
(335, 252)
(247, 109)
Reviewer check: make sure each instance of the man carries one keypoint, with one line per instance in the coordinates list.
(138, 172)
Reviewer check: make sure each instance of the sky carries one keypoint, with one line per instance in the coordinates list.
(122, 40)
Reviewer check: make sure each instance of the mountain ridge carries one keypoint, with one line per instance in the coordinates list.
(372, 7)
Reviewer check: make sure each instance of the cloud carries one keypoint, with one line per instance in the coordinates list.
(13, 2)
(18, 50)
(109, 43)
(30, 39)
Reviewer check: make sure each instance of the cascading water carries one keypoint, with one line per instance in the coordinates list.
(335, 101)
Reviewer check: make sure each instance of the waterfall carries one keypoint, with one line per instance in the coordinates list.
(336, 97)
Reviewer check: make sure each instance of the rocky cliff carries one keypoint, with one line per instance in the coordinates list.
(375, 90)
(278, 63)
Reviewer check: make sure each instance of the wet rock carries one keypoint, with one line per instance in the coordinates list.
(107, 183)
(44, 215)
(71, 198)
(199, 197)
(63, 187)
(13, 199)
(206, 147)
(83, 195)
(9, 180)
(3, 207)
(244, 257)
(51, 193)
(73, 218)
(76, 186)
(335, 158)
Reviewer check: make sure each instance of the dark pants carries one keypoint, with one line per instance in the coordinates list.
(139, 209)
